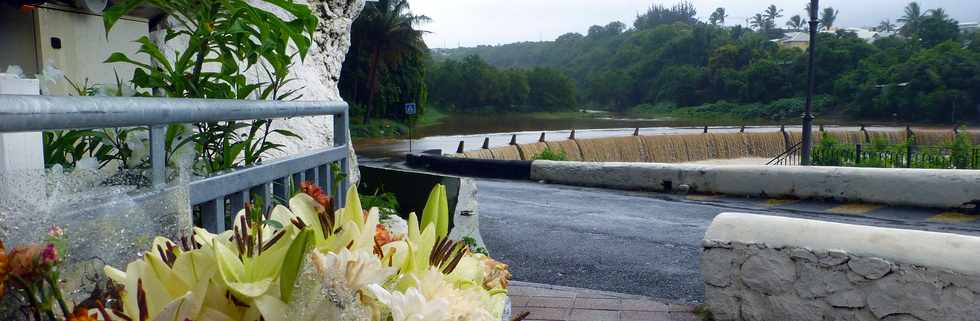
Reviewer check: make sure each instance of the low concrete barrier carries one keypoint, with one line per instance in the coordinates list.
(773, 268)
(488, 168)
(894, 186)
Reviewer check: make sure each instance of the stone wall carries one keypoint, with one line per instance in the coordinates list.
(753, 272)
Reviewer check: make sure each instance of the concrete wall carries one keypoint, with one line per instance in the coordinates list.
(772, 268)
(913, 187)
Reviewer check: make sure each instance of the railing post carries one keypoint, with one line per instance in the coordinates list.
(541, 140)
(513, 139)
(908, 155)
(459, 149)
(340, 124)
(486, 143)
(158, 154)
(857, 154)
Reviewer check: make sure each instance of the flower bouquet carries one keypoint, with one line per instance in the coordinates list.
(296, 263)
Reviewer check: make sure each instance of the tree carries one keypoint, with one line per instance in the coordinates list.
(718, 17)
(912, 18)
(391, 37)
(759, 22)
(935, 29)
(772, 13)
(659, 15)
(886, 26)
(796, 23)
(827, 17)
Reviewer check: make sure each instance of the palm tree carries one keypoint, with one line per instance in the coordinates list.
(827, 17)
(772, 13)
(718, 17)
(939, 13)
(913, 16)
(390, 37)
(886, 26)
(796, 23)
(759, 21)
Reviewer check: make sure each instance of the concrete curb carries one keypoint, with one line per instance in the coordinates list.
(910, 187)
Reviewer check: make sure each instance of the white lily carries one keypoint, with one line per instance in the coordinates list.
(411, 305)
(359, 269)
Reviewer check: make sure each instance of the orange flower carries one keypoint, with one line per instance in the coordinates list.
(22, 261)
(81, 314)
(317, 194)
(3, 267)
(382, 236)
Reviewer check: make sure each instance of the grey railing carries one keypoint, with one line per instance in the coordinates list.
(215, 197)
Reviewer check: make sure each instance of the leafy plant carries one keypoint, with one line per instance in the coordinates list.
(961, 150)
(226, 40)
(386, 202)
(67, 147)
(550, 154)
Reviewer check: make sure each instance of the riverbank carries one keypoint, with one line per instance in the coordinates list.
(752, 113)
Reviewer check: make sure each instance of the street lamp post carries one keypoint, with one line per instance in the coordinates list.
(811, 80)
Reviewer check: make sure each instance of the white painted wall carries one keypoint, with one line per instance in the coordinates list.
(20, 151)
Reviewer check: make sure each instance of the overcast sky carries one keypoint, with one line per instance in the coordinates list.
(490, 22)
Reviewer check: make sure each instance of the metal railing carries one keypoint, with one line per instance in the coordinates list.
(215, 197)
(884, 156)
(790, 157)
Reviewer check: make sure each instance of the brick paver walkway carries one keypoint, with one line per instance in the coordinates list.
(550, 302)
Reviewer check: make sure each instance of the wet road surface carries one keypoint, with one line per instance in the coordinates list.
(639, 242)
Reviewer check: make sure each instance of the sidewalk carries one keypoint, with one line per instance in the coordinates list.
(551, 302)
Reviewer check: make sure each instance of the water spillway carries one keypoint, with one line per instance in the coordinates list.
(681, 148)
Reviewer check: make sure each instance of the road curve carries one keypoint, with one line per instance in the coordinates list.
(630, 242)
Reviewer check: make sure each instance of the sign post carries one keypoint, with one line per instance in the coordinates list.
(410, 112)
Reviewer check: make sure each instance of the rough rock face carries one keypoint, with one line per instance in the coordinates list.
(756, 282)
(319, 73)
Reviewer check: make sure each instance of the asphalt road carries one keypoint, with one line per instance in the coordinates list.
(637, 242)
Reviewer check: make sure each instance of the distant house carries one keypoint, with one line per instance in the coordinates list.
(868, 35)
(802, 39)
(969, 27)
(794, 40)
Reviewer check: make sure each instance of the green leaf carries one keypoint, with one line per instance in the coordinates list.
(293, 262)
(118, 10)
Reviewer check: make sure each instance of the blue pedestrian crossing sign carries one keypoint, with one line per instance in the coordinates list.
(410, 109)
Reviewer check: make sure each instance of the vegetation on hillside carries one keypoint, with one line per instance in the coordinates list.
(670, 60)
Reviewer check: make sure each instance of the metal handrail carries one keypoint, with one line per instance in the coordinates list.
(19, 113)
(781, 158)
(215, 196)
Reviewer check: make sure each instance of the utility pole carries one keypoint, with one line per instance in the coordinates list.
(811, 80)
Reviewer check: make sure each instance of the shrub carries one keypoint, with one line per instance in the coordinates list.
(549, 154)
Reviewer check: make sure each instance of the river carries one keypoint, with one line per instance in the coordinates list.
(473, 129)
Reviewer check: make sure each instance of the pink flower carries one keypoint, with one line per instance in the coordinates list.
(56, 231)
(49, 256)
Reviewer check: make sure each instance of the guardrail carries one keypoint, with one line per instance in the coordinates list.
(887, 156)
(215, 197)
